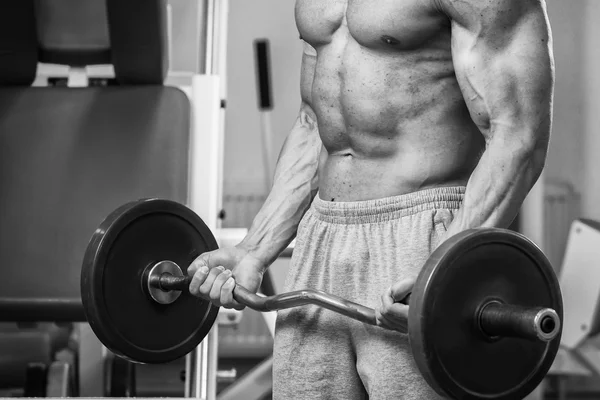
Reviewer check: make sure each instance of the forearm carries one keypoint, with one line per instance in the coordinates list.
(499, 184)
(294, 187)
(502, 52)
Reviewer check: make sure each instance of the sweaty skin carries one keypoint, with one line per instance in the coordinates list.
(399, 96)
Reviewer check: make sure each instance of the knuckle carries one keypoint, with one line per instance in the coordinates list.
(218, 280)
(199, 278)
(385, 309)
(215, 290)
(227, 302)
(204, 289)
(226, 273)
(199, 261)
(194, 284)
(228, 296)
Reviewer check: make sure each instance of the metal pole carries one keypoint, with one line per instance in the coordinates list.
(204, 368)
(220, 39)
(212, 362)
(206, 36)
(221, 13)
(210, 37)
(532, 214)
(189, 362)
(200, 379)
(201, 35)
(267, 140)
(170, 37)
(203, 362)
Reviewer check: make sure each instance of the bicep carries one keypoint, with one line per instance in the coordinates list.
(307, 119)
(307, 72)
(305, 127)
(505, 69)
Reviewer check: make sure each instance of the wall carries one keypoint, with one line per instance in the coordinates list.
(564, 158)
(184, 34)
(249, 20)
(274, 20)
(575, 146)
(591, 110)
(575, 116)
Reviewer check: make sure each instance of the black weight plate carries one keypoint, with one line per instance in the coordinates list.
(469, 269)
(123, 316)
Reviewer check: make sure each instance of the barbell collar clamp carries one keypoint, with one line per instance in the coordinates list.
(155, 277)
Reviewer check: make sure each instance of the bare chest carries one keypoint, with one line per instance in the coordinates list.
(384, 24)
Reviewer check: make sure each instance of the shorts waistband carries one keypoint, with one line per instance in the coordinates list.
(388, 208)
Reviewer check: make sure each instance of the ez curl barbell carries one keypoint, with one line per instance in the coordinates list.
(484, 314)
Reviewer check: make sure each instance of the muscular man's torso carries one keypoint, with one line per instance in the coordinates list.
(389, 109)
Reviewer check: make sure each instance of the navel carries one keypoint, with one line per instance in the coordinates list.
(389, 40)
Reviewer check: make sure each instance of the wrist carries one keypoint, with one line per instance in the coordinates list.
(254, 254)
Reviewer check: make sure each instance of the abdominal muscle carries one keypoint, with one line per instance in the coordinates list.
(390, 124)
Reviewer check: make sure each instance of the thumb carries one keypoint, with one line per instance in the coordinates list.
(401, 289)
(210, 259)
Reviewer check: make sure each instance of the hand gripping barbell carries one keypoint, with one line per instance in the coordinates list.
(489, 296)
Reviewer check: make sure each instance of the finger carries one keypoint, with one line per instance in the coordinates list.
(196, 265)
(215, 290)
(398, 316)
(399, 290)
(394, 311)
(209, 259)
(399, 313)
(200, 261)
(198, 279)
(389, 323)
(382, 321)
(208, 282)
(227, 293)
(395, 314)
(236, 305)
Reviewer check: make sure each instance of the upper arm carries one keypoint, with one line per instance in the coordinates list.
(307, 73)
(502, 52)
(302, 147)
